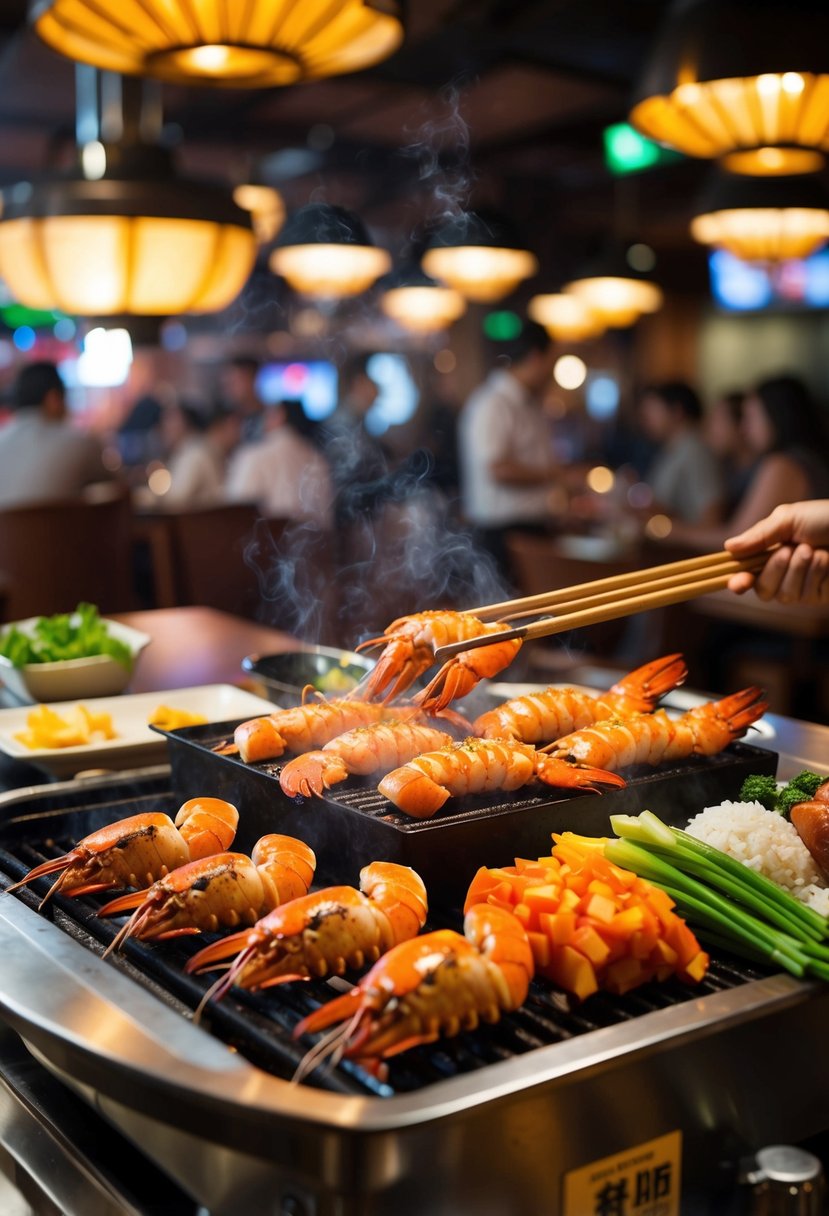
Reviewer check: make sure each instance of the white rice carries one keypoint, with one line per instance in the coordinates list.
(767, 843)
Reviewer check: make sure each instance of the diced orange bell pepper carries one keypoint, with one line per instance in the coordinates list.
(572, 971)
(543, 899)
(540, 946)
(587, 941)
(600, 908)
(559, 926)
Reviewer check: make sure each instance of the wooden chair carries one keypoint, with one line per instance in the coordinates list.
(55, 554)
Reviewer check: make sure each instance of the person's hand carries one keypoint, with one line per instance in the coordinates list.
(797, 572)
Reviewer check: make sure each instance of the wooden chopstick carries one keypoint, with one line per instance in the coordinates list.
(609, 605)
(508, 609)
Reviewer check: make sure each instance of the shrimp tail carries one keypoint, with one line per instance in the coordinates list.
(553, 770)
(653, 680)
(312, 773)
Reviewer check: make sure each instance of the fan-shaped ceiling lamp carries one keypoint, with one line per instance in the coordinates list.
(567, 318)
(266, 208)
(123, 234)
(480, 256)
(418, 302)
(613, 290)
(242, 43)
(325, 251)
(744, 80)
(766, 219)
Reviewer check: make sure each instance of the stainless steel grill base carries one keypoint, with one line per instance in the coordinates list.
(732, 1069)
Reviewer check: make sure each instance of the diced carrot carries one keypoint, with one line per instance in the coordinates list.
(572, 971)
(559, 927)
(587, 941)
(483, 883)
(540, 946)
(664, 953)
(597, 887)
(696, 968)
(526, 914)
(641, 944)
(625, 974)
(625, 878)
(683, 941)
(600, 908)
(626, 922)
(543, 899)
(570, 900)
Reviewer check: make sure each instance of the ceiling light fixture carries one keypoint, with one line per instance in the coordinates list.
(223, 42)
(266, 208)
(745, 80)
(480, 256)
(567, 318)
(419, 303)
(123, 234)
(326, 251)
(763, 219)
(614, 290)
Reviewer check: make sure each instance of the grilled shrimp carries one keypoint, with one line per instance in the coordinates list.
(437, 984)
(223, 891)
(367, 749)
(302, 727)
(478, 766)
(134, 852)
(543, 716)
(409, 646)
(653, 738)
(323, 933)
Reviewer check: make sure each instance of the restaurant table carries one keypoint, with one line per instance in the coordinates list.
(189, 647)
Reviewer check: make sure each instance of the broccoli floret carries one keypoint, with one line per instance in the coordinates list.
(760, 788)
(808, 782)
(790, 797)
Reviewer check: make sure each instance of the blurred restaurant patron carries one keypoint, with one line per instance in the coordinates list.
(239, 391)
(505, 444)
(783, 430)
(42, 457)
(685, 476)
(356, 457)
(200, 441)
(284, 473)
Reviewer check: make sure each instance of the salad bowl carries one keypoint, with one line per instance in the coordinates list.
(94, 675)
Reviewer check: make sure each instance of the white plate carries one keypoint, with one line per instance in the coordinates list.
(136, 744)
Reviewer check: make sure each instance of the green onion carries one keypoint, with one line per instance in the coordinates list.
(758, 919)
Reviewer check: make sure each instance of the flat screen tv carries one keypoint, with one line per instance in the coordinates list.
(739, 286)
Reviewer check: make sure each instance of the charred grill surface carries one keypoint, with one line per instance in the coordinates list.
(260, 1026)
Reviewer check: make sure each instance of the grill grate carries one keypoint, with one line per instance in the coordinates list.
(260, 1026)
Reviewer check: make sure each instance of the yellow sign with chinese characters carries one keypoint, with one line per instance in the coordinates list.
(641, 1181)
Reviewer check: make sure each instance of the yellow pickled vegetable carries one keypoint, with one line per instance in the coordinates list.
(168, 718)
(77, 727)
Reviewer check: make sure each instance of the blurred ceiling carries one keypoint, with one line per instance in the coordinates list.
(489, 102)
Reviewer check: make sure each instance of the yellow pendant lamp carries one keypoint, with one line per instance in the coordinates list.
(241, 43)
(325, 251)
(266, 208)
(479, 256)
(123, 234)
(743, 80)
(419, 303)
(613, 290)
(766, 219)
(567, 318)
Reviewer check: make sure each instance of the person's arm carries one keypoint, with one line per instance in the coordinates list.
(798, 570)
(777, 479)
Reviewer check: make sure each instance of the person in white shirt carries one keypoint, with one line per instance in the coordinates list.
(42, 457)
(201, 441)
(505, 443)
(284, 474)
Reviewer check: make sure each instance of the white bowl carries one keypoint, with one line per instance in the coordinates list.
(72, 679)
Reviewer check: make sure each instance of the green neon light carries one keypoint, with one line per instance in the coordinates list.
(626, 151)
(502, 326)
